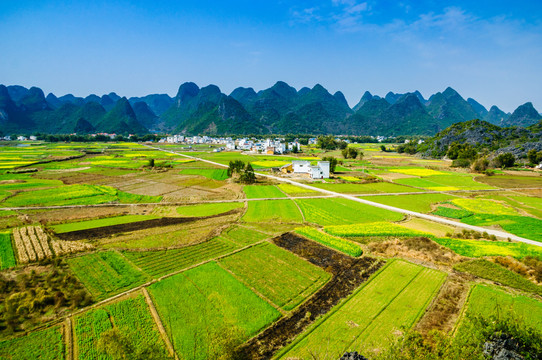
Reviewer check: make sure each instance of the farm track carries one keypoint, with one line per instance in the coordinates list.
(348, 274)
(498, 233)
(105, 231)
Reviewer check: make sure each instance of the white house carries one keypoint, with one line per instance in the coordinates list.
(320, 171)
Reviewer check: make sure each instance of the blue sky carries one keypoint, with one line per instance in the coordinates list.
(488, 50)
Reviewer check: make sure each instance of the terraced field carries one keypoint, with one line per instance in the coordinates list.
(279, 275)
(394, 298)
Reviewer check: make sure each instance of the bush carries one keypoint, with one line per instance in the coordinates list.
(462, 163)
(480, 165)
(505, 160)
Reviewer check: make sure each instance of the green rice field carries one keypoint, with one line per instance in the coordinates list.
(163, 262)
(280, 276)
(335, 211)
(106, 273)
(262, 191)
(394, 298)
(206, 308)
(7, 257)
(131, 317)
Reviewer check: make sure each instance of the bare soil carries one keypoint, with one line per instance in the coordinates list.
(348, 274)
(446, 308)
(420, 249)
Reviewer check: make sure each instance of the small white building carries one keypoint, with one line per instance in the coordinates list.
(320, 171)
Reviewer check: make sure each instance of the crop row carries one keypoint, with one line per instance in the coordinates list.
(158, 263)
(337, 243)
(88, 328)
(373, 229)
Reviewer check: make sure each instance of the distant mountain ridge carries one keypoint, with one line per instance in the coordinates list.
(279, 109)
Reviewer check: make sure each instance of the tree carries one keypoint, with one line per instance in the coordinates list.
(326, 142)
(480, 165)
(247, 175)
(332, 163)
(235, 166)
(505, 160)
(350, 153)
(534, 157)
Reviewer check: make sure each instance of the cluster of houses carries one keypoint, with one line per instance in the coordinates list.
(19, 138)
(265, 146)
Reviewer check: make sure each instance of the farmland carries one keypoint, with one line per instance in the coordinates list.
(262, 191)
(207, 209)
(487, 301)
(488, 270)
(214, 174)
(334, 242)
(394, 298)
(46, 344)
(91, 224)
(131, 317)
(372, 229)
(7, 258)
(180, 257)
(206, 309)
(163, 262)
(277, 274)
(106, 273)
(341, 211)
(480, 248)
(273, 211)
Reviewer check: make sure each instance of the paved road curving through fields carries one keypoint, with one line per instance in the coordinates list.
(498, 233)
